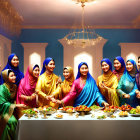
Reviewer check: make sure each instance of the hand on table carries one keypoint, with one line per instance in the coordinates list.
(21, 106)
(127, 96)
(105, 104)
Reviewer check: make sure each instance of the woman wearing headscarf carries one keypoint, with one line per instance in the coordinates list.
(8, 122)
(84, 90)
(26, 91)
(127, 85)
(138, 81)
(108, 82)
(119, 66)
(47, 83)
(66, 84)
(13, 64)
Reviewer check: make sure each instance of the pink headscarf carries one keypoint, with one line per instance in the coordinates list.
(27, 87)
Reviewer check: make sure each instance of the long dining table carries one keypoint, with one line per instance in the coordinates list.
(74, 127)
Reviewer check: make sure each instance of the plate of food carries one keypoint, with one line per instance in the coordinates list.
(29, 112)
(59, 116)
(96, 108)
(101, 117)
(125, 107)
(47, 110)
(135, 112)
(83, 109)
(67, 109)
(123, 114)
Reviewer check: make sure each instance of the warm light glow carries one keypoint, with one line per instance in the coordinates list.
(35, 58)
(82, 57)
(131, 56)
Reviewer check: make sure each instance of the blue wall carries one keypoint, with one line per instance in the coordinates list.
(55, 49)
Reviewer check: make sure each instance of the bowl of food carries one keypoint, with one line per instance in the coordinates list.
(67, 109)
(123, 114)
(59, 116)
(135, 112)
(82, 109)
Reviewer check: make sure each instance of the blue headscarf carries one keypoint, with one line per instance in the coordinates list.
(90, 91)
(121, 60)
(45, 63)
(108, 62)
(129, 77)
(19, 75)
(134, 70)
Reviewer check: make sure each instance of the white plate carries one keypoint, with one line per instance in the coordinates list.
(135, 115)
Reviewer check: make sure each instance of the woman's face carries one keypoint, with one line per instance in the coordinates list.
(51, 65)
(129, 66)
(12, 77)
(66, 74)
(84, 70)
(105, 67)
(117, 64)
(15, 61)
(36, 72)
(139, 63)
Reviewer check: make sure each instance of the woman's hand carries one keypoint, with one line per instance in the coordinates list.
(59, 81)
(21, 106)
(105, 104)
(138, 95)
(127, 96)
(33, 96)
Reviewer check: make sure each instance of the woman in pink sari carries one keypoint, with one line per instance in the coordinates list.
(26, 90)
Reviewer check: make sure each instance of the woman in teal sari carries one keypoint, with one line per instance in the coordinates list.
(8, 122)
(127, 85)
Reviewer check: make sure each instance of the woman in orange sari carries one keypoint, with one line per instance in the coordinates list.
(108, 82)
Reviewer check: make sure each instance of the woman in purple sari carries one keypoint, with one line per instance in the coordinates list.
(84, 90)
(26, 90)
(138, 81)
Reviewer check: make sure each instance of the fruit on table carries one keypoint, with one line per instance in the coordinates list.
(82, 108)
(30, 111)
(68, 108)
(94, 107)
(101, 117)
(125, 107)
(123, 113)
(59, 116)
(135, 110)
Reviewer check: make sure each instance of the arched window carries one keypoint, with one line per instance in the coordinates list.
(83, 57)
(131, 56)
(35, 58)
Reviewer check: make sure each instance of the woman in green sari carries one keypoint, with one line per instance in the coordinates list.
(8, 122)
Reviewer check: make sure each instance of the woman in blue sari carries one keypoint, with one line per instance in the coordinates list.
(12, 64)
(84, 90)
(127, 85)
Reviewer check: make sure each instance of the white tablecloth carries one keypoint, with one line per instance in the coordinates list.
(81, 128)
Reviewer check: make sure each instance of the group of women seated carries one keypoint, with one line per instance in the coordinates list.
(36, 88)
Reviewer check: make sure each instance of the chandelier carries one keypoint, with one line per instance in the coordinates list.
(84, 37)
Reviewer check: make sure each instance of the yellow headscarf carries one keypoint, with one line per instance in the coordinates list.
(12, 87)
(69, 81)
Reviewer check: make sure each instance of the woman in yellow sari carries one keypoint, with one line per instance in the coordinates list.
(47, 83)
(108, 82)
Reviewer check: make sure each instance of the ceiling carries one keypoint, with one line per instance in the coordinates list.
(68, 13)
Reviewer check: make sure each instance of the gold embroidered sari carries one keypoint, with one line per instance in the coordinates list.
(46, 85)
(111, 82)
